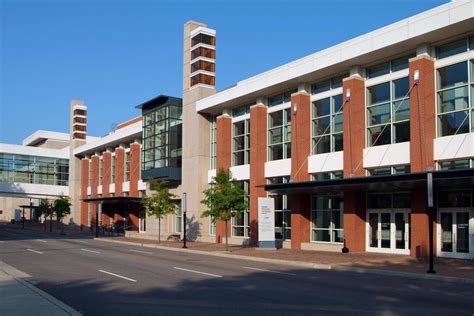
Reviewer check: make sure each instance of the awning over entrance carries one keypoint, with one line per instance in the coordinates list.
(446, 179)
(115, 200)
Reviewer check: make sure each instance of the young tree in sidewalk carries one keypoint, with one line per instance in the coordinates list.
(224, 199)
(160, 203)
(45, 209)
(61, 208)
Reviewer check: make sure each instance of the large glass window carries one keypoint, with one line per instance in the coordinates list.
(453, 48)
(178, 220)
(388, 200)
(386, 171)
(281, 98)
(127, 166)
(162, 141)
(241, 143)
(101, 170)
(328, 84)
(454, 164)
(282, 211)
(388, 113)
(213, 142)
(112, 170)
(387, 67)
(455, 85)
(240, 220)
(32, 169)
(327, 218)
(212, 226)
(279, 135)
(328, 125)
(332, 175)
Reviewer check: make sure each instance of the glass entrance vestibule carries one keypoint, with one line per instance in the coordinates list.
(388, 223)
(455, 224)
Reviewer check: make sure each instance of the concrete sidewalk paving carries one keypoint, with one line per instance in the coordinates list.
(20, 297)
(449, 270)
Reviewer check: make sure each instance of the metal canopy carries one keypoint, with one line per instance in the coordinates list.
(115, 200)
(446, 179)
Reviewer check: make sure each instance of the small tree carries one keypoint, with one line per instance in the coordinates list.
(160, 203)
(44, 209)
(224, 199)
(62, 207)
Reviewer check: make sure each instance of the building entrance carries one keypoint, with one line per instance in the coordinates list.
(455, 233)
(388, 231)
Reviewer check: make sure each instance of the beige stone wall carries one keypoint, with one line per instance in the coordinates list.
(9, 204)
(196, 146)
(53, 144)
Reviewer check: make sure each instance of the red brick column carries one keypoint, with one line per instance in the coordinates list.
(354, 144)
(135, 153)
(94, 186)
(106, 165)
(422, 135)
(84, 183)
(119, 170)
(258, 157)
(300, 151)
(223, 161)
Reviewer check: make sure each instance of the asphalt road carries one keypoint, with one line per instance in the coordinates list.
(100, 278)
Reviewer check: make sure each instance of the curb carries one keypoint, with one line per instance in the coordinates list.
(340, 268)
(17, 275)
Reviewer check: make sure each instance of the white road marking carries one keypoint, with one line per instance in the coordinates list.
(118, 276)
(271, 271)
(40, 240)
(34, 251)
(199, 272)
(140, 251)
(93, 251)
(2, 241)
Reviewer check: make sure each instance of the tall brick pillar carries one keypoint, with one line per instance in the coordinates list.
(94, 186)
(422, 135)
(258, 157)
(223, 160)
(354, 144)
(300, 151)
(106, 165)
(135, 152)
(84, 183)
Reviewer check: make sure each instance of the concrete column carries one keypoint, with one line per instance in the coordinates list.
(258, 157)
(135, 153)
(223, 161)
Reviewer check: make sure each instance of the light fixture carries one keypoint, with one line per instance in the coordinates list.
(295, 108)
(348, 94)
(416, 76)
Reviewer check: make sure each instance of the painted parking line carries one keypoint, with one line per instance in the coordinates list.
(266, 270)
(199, 272)
(2, 241)
(88, 250)
(141, 251)
(40, 240)
(35, 251)
(118, 276)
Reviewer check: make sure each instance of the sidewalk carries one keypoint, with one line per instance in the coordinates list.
(399, 265)
(19, 297)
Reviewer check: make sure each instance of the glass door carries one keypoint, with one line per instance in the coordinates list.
(453, 234)
(387, 231)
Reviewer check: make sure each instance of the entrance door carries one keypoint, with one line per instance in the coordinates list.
(142, 221)
(454, 238)
(387, 231)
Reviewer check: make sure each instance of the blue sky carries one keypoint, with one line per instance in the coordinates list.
(117, 54)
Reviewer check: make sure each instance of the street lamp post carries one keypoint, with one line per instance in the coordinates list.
(184, 219)
(430, 217)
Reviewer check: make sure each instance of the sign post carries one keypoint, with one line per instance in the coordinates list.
(266, 223)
